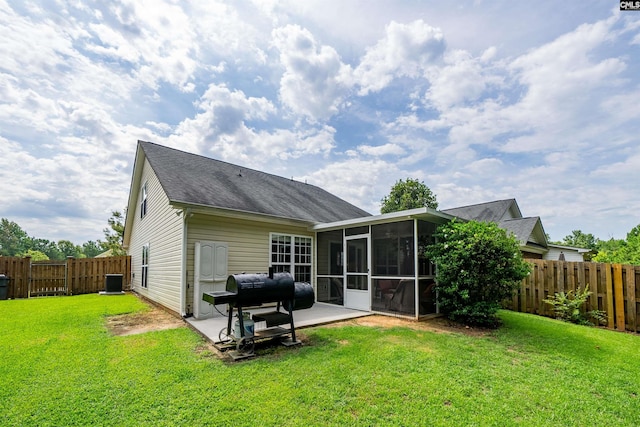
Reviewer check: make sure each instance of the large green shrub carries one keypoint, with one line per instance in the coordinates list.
(478, 266)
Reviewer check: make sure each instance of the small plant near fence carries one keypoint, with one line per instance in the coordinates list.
(569, 307)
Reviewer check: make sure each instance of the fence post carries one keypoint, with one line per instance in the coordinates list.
(560, 275)
(27, 275)
(631, 297)
(611, 320)
(540, 286)
(68, 275)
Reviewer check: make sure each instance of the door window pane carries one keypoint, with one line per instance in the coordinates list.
(357, 256)
(357, 282)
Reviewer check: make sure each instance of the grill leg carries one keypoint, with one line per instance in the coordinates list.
(229, 320)
(293, 328)
(241, 321)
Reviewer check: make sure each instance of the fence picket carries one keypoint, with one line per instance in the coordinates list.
(630, 298)
(592, 283)
(618, 296)
(540, 286)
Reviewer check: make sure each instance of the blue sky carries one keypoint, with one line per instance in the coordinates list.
(480, 100)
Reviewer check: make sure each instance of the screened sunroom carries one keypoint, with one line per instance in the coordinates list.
(378, 263)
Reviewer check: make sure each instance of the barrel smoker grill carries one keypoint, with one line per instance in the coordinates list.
(249, 290)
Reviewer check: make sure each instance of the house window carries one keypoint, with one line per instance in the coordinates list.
(292, 254)
(143, 202)
(145, 265)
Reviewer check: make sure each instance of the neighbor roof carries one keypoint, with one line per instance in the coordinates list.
(523, 229)
(507, 215)
(490, 211)
(196, 180)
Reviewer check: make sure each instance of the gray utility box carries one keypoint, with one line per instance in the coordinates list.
(4, 287)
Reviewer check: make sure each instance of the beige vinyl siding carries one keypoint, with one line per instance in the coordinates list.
(161, 228)
(248, 243)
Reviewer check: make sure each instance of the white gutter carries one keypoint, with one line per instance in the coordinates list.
(419, 213)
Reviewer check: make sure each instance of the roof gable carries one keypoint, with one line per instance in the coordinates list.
(527, 230)
(197, 180)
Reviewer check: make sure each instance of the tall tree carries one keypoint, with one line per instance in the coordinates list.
(409, 194)
(13, 239)
(91, 248)
(114, 234)
(69, 249)
(47, 247)
(579, 239)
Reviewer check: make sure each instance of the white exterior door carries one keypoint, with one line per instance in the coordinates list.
(210, 274)
(357, 289)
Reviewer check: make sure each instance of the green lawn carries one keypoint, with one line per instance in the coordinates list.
(60, 366)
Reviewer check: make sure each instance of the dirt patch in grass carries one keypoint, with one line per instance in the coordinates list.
(155, 319)
(437, 324)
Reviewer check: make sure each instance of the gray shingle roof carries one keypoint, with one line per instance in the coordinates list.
(522, 228)
(193, 179)
(490, 211)
(506, 214)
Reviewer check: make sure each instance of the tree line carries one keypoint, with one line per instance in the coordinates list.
(14, 241)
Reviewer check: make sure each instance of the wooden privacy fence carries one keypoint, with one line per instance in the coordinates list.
(73, 276)
(615, 287)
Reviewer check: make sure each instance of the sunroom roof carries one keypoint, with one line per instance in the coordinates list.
(426, 214)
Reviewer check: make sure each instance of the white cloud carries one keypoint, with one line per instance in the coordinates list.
(361, 182)
(381, 150)
(314, 79)
(462, 79)
(223, 129)
(405, 50)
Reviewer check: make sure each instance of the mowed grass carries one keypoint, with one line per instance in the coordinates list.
(59, 366)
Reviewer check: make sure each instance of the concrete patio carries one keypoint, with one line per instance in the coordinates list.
(319, 314)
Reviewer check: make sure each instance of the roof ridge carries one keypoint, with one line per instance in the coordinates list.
(243, 168)
(482, 203)
(521, 218)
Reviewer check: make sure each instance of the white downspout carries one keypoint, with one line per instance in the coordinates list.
(186, 213)
(416, 271)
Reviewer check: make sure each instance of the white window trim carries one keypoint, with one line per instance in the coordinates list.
(292, 263)
(144, 195)
(144, 279)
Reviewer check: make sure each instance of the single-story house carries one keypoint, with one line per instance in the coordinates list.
(192, 221)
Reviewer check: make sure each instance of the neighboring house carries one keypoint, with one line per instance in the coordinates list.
(192, 221)
(105, 254)
(506, 213)
(565, 253)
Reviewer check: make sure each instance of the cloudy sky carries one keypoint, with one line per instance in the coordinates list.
(481, 100)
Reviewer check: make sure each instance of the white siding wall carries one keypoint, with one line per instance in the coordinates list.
(162, 229)
(248, 243)
(569, 255)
